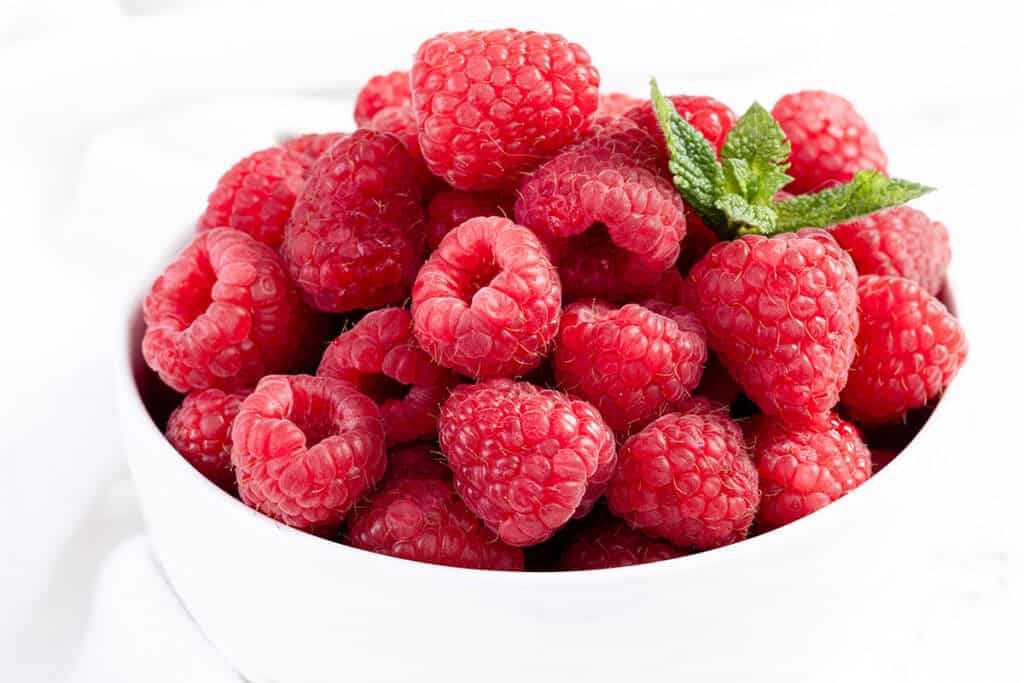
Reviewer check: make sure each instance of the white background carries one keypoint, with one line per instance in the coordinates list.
(117, 117)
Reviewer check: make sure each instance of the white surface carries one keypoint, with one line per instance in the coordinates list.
(117, 119)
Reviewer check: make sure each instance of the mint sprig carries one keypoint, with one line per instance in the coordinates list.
(736, 195)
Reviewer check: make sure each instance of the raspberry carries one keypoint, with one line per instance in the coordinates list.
(200, 429)
(492, 104)
(222, 315)
(525, 460)
(713, 119)
(449, 209)
(668, 289)
(401, 122)
(591, 266)
(908, 350)
(306, 449)
(355, 237)
(486, 303)
(306, 149)
(616, 103)
(900, 241)
(781, 313)
(633, 363)
(803, 470)
(880, 457)
(579, 192)
(618, 135)
(416, 460)
(421, 518)
(830, 141)
(603, 542)
(716, 383)
(699, 240)
(687, 478)
(388, 90)
(380, 357)
(256, 196)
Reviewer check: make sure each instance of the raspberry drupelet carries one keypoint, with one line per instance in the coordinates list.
(306, 449)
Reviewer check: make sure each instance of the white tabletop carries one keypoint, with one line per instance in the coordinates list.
(119, 116)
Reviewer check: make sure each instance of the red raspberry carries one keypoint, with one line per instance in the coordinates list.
(607, 542)
(580, 192)
(388, 90)
(687, 478)
(712, 118)
(421, 518)
(200, 429)
(830, 140)
(526, 460)
(381, 358)
(355, 238)
(781, 313)
(591, 266)
(633, 363)
(699, 240)
(401, 122)
(880, 457)
(668, 289)
(416, 461)
(256, 196)
(492, 104)
(306, 449)
(716, 383)
(486, 302)
(803, 470)
(222, 315)
(609, 135)
(616, 103)
(310, 147)
(449, 209)
(901, 241)
(908, 350)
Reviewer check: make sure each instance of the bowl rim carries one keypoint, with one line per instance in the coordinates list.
(131, 320)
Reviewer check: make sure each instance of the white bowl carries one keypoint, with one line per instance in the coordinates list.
(287, 607)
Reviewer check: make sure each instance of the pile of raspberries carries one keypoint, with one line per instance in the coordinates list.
(545, 358)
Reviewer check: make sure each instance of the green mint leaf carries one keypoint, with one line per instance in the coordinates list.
(738, 176)
(757, 136)
(758, 140)
(745, 217)
(693, 163)
(868, 192)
